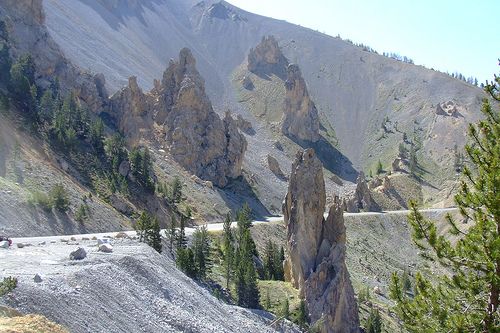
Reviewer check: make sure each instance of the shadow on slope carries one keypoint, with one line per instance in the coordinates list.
(239, 191)
(333, 160)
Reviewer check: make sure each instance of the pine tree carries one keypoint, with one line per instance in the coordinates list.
(176, 186)
(467, 299)
(413, 160)
(302, 317)
(172, 233)
(374, 322)
(181, 235)
(285, 310)
(142, 225)
(201, 251)
(154, 236)
(59, 197)
(228, 250)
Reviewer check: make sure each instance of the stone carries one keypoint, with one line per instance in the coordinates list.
(102, 241)
(4, 245)
(316, 249)
(20, 245)
(124, 168)
(300, 117)
(400, 165)
(448, 108)
(274, 166)
(106, 248)
(78, 254)
(266, 58)
(37, 278)
(362, 199)
(121, 234)
(244, 125)
(247, 83)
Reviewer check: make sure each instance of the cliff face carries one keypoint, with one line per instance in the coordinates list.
(316, 250)
(197, 138)
(300, 116)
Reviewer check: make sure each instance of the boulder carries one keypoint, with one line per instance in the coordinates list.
(4, 245)
(20, 245)
(124, 168)
(400, 165)
(78, 254)
(316, 249)
(102, 241)
(37, 278)
(121, 234)
(274, 166)
(106, 248)
(248, 83)
(300, 117)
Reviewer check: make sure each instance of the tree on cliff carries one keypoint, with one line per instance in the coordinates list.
(467, 300)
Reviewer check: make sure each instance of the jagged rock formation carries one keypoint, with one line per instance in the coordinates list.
(267, 58)
(303, 213)
(362, 200)
(275, 168)
(300, 116)
(197, 138)
(316, 249)
(131, 108)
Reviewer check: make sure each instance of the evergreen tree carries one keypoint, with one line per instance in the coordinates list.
(185, 261)
(302, 317)
(201, 251)
(403, 151)
(142, 225)
(413, 160)
(114, 147)
(285, 310)
(47, 106)
(59, 197)
(246, 276)
(374, 322)
(176, 190)
(172, 233)
(228, 249)
(96, 133)
(181, 236)
(467, 299)
(154, 236)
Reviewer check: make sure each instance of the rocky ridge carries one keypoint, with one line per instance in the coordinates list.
(315, 262)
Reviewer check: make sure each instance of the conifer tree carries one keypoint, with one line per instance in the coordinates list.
(374, 322)
(172, 233)
(467, 299)
(154, 236)
(302, 317)
(285, 311)
(228, 249)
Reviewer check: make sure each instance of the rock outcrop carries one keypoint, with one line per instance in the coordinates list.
(300, 116)
(266, 58)
(197, 138)
(362, 200)
(131, 109)
(449, 108)
(275, 168)
(315, 262)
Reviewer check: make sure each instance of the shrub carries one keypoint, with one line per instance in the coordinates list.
(41, 199)
(7, 285)
(59, 197)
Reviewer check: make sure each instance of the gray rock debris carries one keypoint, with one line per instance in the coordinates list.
(78, 254)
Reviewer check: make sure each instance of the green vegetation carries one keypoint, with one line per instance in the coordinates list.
(380, 168)
(141, 166)
(467, 299)
(7, 285)
(273, 262)
(374, 322)
(82, 213)
(57, 198)
(148, 229)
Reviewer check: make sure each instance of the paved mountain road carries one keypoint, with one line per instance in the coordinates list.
(190, 230)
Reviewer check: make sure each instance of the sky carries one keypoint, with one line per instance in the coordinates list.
(448, 35)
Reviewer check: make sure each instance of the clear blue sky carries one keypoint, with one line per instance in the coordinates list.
(448, 35)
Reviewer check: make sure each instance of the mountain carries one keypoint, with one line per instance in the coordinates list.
(365, 100)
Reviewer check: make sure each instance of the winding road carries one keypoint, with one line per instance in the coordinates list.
(210, 227)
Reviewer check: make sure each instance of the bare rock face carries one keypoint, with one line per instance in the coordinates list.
(274, 166)
(303, 213)
(449, 108)
(316, 249)
(267, 58)
(362, 200)
(198, 139)
(300, 116)
(131, 108)
(245, 125)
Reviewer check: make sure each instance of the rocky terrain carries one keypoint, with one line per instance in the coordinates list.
(316, 249)
(132, 289)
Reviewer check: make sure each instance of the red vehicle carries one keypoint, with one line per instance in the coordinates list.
(5, 238)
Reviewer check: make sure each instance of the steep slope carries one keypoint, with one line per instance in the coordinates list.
(354, 91)
(134, 289)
